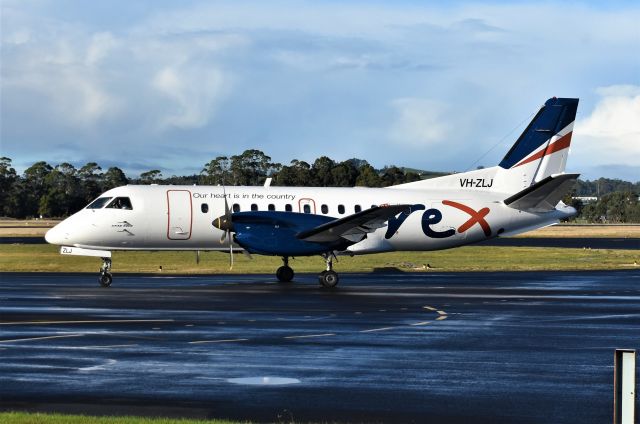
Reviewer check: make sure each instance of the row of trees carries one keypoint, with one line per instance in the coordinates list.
(603, 186)
(252, 168)
(613, 208)
(58, 191)
(53, 191)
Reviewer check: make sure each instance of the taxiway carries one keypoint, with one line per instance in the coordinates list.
(394, 347)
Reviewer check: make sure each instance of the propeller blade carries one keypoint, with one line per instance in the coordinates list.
(230, 254)
(227, 211)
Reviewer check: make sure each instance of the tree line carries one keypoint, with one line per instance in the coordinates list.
(61, 190)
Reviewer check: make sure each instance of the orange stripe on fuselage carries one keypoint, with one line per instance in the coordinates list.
(562, 143)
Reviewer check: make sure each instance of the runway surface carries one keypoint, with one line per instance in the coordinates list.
(435, 347)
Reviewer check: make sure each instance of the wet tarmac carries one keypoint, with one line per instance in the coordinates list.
(432, 347)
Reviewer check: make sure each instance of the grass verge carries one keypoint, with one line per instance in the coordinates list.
(40, 418)
(45, 258)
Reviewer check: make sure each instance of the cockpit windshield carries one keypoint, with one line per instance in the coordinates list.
(120, 203)
(99, 203)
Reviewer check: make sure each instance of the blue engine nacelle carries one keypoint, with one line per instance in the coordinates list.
(275, 233)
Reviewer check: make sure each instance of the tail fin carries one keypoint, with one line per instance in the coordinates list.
(540, 152)
(543, 147)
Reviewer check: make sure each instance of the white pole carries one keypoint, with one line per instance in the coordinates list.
(625, 386)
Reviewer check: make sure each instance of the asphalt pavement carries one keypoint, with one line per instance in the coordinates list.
(520, 347)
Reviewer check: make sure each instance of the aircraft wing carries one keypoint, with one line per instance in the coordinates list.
(353, 227)
(544, 195)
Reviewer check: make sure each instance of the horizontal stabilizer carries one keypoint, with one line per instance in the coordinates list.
(544, 195)
(353, 227)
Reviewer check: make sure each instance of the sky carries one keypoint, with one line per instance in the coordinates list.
(435, 85)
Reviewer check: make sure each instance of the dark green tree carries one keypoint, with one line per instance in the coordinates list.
(368, 177)
(298, 174)
(91, 180)
(35, 186)
(63, 195)
(321, 171)
(616, 207)
(217, 171)
(392, 175)
(114, 177)
(8, 178)
(251, 167)
(344, 174)
(151, 177)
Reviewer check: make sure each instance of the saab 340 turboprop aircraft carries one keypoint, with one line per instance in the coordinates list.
(522, 193)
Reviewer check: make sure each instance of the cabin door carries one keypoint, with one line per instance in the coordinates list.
(180, 221)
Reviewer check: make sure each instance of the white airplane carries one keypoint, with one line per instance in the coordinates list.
(522, 193)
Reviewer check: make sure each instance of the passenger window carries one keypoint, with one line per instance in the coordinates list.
(288, 207)
(324, 209)
(120, 203)
(236, 207)
(204, 208)
(99, 203)
(271, 207)
(340, 209)
(306, 208)
(357, 208)
(254, 207)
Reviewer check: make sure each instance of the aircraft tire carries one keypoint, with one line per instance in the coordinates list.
(105, 279)
(285, 274)
(328, 279)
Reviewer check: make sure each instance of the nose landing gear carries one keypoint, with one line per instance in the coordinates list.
(105, 278)
(285, 272)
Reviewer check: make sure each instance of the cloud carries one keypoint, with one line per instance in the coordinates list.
(419, 123)
(611, 133)
(303, 79)
(195, 92)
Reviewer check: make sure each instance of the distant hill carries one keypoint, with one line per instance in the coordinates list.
(424, 175)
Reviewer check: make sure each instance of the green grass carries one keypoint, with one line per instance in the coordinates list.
(45, 258)
(40, 418)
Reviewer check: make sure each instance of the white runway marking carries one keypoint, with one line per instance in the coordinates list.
(41, 338)
(107, 346)
(218, 341)
(107, 321)
(306, 336)
(98, 367)
(377, 329)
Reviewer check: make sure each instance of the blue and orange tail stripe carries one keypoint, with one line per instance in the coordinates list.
(553, 118)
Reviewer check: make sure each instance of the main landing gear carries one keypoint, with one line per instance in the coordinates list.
(105, 278)
(285, 272)
(327, 279)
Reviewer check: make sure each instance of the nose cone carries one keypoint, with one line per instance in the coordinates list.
(55, 236)
(223, 223)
